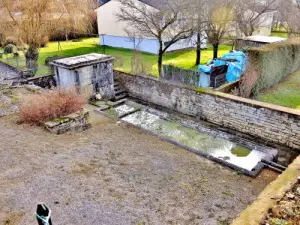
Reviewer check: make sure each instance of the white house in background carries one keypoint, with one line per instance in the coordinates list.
(264, 23)
(113, 32)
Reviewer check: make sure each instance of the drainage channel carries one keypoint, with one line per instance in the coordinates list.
(241, 155)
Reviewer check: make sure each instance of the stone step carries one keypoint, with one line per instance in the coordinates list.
(120, 92)
(117, 102)
(119, 97)
(118, 88)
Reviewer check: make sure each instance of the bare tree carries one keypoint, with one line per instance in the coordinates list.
(251, 15)
(31, 21)
(198, 9)
(134, 38)
(168, 24)
(290, 14)
(220, 17)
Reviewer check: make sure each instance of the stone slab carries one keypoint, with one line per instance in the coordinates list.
(82, 60)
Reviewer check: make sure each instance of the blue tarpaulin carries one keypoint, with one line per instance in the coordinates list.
(236, 62)
(236, 68)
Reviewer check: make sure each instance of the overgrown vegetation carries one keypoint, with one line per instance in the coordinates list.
(39, 108)
(271, 64)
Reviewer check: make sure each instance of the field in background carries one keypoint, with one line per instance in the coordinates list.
(281, 34)
(286, 93)
(185, 58)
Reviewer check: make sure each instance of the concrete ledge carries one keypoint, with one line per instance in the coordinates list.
(255, 213)
(228, 87)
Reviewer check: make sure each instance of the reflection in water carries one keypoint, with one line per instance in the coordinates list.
(122, 109)
(203, 142)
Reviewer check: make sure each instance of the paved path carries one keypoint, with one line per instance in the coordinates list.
(7, 73)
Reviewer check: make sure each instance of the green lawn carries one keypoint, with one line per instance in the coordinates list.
(286, 93)
(185, 58)
(281, 34)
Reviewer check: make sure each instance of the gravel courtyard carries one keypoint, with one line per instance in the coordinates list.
(114, 174)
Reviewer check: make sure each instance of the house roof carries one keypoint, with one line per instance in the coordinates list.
(264, 39)
(154, 3)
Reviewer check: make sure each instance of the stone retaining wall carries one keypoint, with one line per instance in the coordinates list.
(46, 81)
(270, 122)
(78, 121)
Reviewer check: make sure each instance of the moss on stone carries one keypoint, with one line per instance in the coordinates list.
(61, 120)
(255, 213)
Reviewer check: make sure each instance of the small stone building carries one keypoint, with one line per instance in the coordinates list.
(90, 74)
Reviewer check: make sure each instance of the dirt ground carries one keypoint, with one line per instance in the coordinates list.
(114, 174)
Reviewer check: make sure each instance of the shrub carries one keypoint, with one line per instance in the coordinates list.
(10, 48)
(39, 108)
(249, 80)
(44, 42)
(10, 40)
(138, 64)
(273, 63)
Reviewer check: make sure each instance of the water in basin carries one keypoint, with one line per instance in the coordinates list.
(220, 148)
(120, 111)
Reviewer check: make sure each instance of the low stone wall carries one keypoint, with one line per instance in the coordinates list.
(78, 121)
(46, 81)
(270, 122)
(228, 87)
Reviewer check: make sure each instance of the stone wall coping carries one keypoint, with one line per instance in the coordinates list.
(64, 119)
(256, 212)
(81, 61)
(30, 79)
(253, 103)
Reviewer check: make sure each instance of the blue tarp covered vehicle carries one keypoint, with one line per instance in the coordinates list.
(230, 67)
(236, 68)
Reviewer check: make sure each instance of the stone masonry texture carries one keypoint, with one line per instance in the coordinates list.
(269, 122)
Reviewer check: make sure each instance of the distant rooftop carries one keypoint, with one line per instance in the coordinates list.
(264, 39)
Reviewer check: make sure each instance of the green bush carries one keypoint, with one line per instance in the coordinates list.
(274, 62)
(10, 49)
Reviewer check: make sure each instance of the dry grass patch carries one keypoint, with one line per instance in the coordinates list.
(39, 108)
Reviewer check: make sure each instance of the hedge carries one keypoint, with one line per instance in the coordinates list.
(273, 63)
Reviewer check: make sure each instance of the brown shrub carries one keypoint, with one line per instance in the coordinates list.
(249, 80)
(40, 108)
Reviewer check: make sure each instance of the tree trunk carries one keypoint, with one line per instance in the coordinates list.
(67, 35)
(160, 59)
(198, 50)
(32, 56)
(216, 48)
